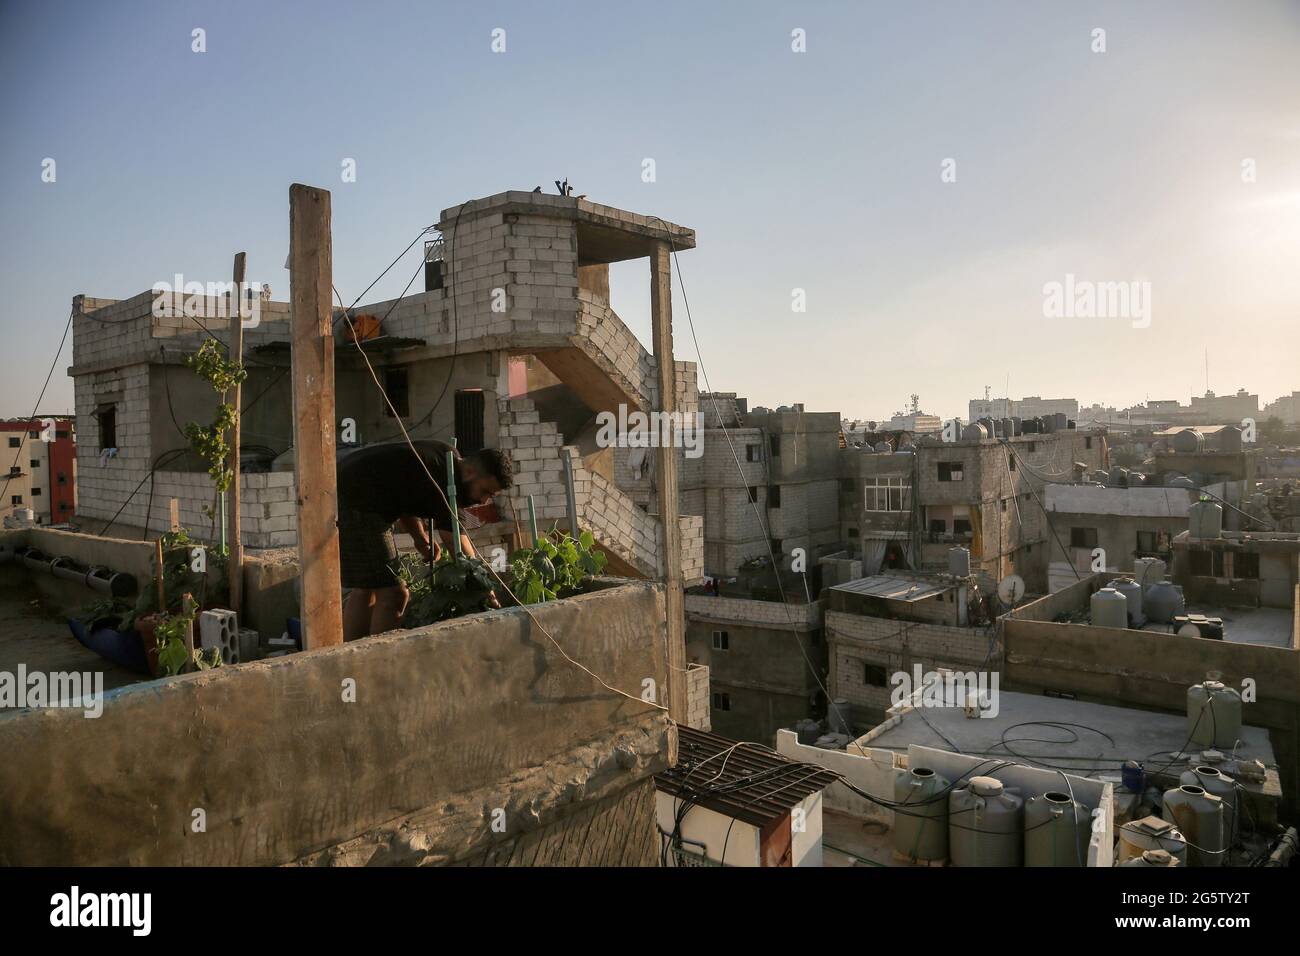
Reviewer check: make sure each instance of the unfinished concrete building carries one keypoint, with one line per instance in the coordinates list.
(907, 509)
(517, 278)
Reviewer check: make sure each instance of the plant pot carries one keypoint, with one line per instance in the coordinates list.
(144, 626)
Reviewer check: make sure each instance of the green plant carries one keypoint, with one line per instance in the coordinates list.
(170, 634)
(209, 441)
(555, 567)
(452, 587)
(110, 611)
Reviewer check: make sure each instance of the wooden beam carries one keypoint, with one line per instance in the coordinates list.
(661, 318)
(312, 372)
(235, 564)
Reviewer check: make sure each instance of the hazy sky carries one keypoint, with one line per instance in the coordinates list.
(818, 170)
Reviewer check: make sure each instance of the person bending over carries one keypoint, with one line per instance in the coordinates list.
(388, 483)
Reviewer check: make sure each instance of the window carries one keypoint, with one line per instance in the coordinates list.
(752, 453)
(774, 496)
(15, 442)
(1146, 541)
(753, 494)
(36, 463)
(774, 445)
(107, 416)
(960, 526)
(938, 526)
(1011, 462)
(1083, 537)
(873, 675)
(36, 492)
(1087, 443)
(1033, 447)
(886, 494)
(469, 420)
(397, 384)
(950, 471)
(1245, 564)
(721, 642)
(1199, 562)
(721, 701)
(63, 479)
(15, 499)
(853, 532)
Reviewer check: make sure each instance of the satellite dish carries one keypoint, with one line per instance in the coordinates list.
(1011, 589)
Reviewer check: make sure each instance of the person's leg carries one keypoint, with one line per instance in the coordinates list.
(356, 613)
(390, 605)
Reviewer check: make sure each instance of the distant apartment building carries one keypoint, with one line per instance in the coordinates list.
(40, 468)
(1225, 409)
(907, 510)
(1287, 408)
(917, 422)
(1031, 406)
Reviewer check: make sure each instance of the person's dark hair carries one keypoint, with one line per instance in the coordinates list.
(492, 462)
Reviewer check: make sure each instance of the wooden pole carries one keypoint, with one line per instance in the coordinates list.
(174, 514)
(532, 521)
(570, 496)
(162, 590)
(312, 372)
(187, 609)
(235, 562)
(661, 319)
(451, 504)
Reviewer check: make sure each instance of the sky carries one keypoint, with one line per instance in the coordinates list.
(917, 176)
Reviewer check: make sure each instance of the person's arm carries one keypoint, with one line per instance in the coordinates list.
(465, 546)
(415, 528)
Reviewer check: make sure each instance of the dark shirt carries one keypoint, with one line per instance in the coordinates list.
(388, 480)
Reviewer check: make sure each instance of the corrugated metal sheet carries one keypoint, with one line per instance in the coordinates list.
(893, 589)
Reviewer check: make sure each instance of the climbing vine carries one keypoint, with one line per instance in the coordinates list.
(209, 441)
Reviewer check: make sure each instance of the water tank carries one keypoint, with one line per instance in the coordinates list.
(1229, 439)
(837, 717)
(1109, 609)
(974, 432)
(1046, 424)
(1132, 592)
(1151, 833)
(1212, 780)
(921, 825)
(1057, 830)
(1213, 715)
(1061, 422)
(1162, 601)
(1118, 478)
(985, 825)
(1205, 519)
(1007, 428)
(1180, 481)
(1147, 571)
(1199, 815)
(1029, 426)
(959, 562)
(883, 447)
(1161, 858)
(1188, 441)
(1017, 426)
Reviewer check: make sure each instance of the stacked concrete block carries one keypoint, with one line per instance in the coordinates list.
(220, 630)
(699, 706)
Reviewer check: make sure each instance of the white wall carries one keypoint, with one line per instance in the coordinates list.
(705, 826)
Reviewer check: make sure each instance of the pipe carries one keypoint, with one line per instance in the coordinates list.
(103, 580)
(1286, 846)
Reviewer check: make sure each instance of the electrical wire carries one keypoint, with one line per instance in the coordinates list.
(22, 442)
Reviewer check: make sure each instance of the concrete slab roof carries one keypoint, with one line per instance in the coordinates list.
(1139, 502)
(1058, 734)
(894, 589)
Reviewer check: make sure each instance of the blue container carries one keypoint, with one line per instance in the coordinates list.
(1133, 776)
(294, 627)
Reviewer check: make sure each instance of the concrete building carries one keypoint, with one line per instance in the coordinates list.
(1125, 523)
(1031, 406)
(517, 278)
(40, 469)
(883, 626)
(1225, 409)
(908, 510)
(1286, 408)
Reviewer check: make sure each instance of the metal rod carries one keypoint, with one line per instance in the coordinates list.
(532, 519)
(570, 496)
(451, 503)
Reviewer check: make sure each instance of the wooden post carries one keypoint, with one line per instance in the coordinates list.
(451, 504)
(532, 521)
(235, 564)
(162, 590)
(312, 371)
(187, 609)
(174, 514)
(570, 497)
(661, 319)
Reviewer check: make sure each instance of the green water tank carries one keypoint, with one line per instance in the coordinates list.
(921, 824)
(1057, 830)
(1213, 715)
(986, 825)
(1199, 815)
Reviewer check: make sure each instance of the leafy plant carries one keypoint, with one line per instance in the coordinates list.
(170, 634)
(452, 587)
(555, 568)
(209, 441)
(108, 612)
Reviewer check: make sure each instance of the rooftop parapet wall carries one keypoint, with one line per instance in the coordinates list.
(456, 719)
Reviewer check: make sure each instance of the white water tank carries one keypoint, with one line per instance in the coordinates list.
(1147, 571)
(1109, 609)
(1162, 601)
(974, 432)
(1132, 592)
(1205, 520)
(1188, 441)
(959, 562)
